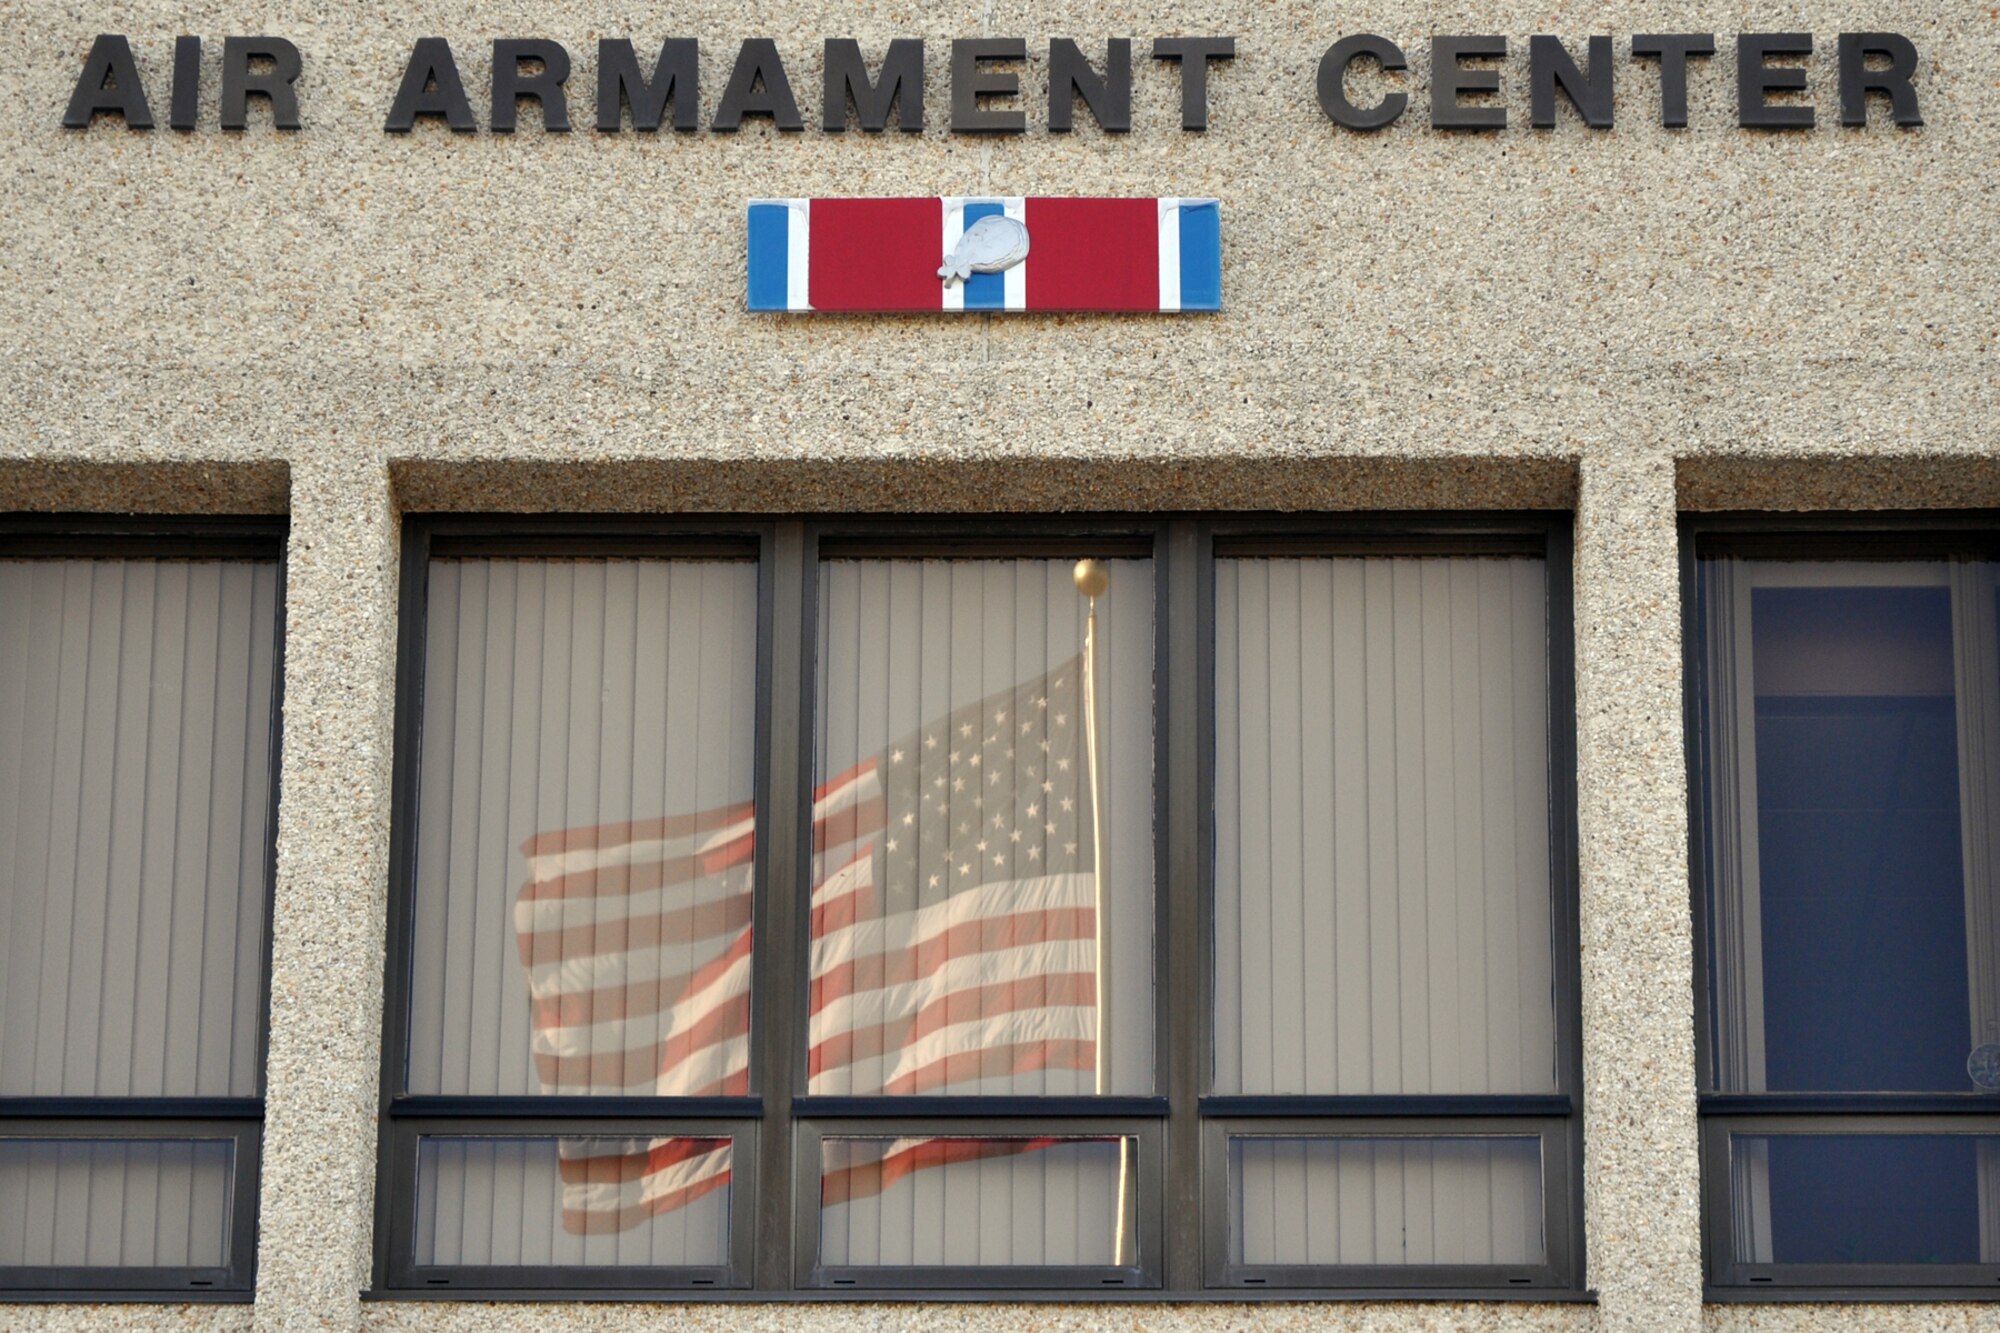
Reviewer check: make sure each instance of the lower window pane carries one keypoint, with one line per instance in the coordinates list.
(977, 1202)
(1865, 1198)
(1384, 1201)
(569, 1202)
(112, 1203)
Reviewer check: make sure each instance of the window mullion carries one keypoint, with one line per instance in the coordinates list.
(1187, 664)
(785, 638)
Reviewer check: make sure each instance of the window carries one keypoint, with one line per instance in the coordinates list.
(899, 906)
(139, 670)
(1846, 724)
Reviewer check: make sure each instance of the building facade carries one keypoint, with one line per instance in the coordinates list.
(1619, 449)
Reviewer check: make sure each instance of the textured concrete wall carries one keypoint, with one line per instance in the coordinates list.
(349, 324)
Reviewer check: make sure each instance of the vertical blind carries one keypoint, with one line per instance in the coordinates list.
(583, 868)
(1386, 1201)
(107, 1203)
(1383, 907)
(135, 737)
(573, 1201)
(975, 1202)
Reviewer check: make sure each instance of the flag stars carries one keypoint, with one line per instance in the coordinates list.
(1069, 849)
(992, 779)
(979, 846)
(1062, 764)
(1049, 828)
(934, 881)
(1000, 716)
(1014, 835)
(1068, 805)
(952, 758)
(1035, 810)
(893, 844)
(975, 761)
(1047, 785)
(1062, 719)
(1042, 702)
(999, 858)
(965, 867)
(958, 784)
(1034, 853)
(1027, 727)
(895, 756)
(999, 821)
(909, 818)
(965, 728)
(930, 742)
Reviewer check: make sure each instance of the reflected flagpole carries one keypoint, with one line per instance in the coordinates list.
(1092, 579)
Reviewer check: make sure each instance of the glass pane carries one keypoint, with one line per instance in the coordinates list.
(569, 1202)
(1864, 1198)
(1313, 1201)
(958, 886)
(108, 1203)
(584, 857)
(1854, 945)
(1382, 851)
(977, 1202)
(135, 765)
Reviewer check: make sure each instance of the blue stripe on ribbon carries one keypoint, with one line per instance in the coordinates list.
(770, 252)
(985, 291)
(1201, 257)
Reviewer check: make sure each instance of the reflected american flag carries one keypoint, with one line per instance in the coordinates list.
(953, 941)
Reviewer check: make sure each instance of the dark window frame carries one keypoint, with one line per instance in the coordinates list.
(1174, 1258)
(237, 1119)
(1909, 535)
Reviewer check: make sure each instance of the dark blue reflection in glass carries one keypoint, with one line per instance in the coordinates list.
(1859, 861)
(1873, 1199)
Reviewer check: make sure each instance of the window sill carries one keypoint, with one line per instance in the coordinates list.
(941, 1296)
(1775, 1295)
(116, 1296)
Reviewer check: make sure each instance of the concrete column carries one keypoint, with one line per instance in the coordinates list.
(1641, 1151)
(317, 1204)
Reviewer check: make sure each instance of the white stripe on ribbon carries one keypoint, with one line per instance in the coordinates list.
(1170, 254)
(1016, 278)
(798, 254)
(954, 229)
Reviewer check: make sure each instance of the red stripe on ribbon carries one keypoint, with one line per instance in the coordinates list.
(1093, 254)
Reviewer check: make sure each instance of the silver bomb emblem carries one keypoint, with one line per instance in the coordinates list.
(993, 244)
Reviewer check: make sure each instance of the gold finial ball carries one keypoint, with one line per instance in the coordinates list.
(1092, 578)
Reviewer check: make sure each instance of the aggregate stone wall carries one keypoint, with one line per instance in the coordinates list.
(348, 325)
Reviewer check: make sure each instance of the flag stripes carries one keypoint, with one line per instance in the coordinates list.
(636, 941)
